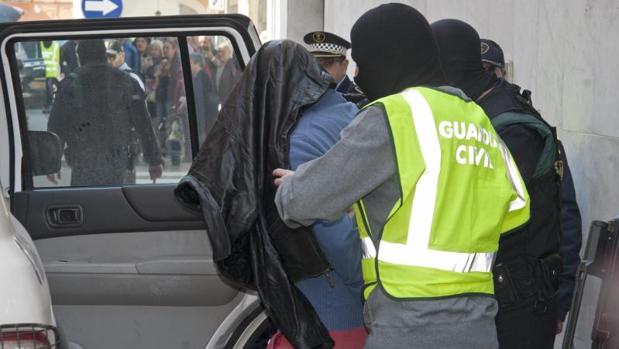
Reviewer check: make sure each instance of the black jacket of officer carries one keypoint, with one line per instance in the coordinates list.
(97, 114)
(528, 265)
(571, 224)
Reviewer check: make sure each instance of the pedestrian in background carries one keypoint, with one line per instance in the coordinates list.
(98, 112)
(205, 96)
(50, 52)
(228, 70)
(151, 67)
(68, 57)
(206, 44)
(141, 45)
(115, 54)
(132, 56)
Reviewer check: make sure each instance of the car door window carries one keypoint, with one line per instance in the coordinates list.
(129, 260)
(92, 96)
(118, 106)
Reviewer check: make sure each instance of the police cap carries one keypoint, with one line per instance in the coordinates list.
(324, 44)
(492, 53)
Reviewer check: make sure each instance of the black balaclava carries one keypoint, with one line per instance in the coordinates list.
(394, 49)
(460, 51)
(91, 51)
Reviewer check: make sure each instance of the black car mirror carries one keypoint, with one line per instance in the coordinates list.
(45, 152)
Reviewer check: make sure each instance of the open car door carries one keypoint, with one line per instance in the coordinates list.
(128, 267)
(594, 316)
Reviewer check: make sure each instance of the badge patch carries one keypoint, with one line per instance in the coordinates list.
(484, 48)
(318, 37)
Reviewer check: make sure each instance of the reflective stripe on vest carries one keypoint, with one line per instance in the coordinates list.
(409, 245)
(51, 57)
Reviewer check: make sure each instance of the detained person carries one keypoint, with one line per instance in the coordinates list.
(336, 298)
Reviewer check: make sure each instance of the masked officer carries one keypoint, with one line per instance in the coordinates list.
(434, 188)
(330, 51)
(571, 223)
(492, 58)
(493, 61)
(528, 263)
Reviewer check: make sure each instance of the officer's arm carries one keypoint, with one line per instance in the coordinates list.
(58, 122)
(526, 147)
(323, 189)
(143, 126)
(571, 238)
(519, 208)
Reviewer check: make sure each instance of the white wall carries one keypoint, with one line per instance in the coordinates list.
(166, 7)
(566, 52)
(304, 16)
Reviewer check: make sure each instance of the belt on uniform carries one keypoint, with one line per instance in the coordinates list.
(526, 278)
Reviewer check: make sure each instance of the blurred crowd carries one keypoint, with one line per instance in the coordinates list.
(53, 74)
(154, 62)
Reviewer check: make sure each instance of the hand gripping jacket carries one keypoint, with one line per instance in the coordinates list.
(460, 189)
(230, 181)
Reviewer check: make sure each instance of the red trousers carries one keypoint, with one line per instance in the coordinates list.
(345, 339)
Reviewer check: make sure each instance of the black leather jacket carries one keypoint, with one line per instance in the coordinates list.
(230, 181)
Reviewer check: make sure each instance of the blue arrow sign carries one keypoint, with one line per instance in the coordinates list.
(102, 8)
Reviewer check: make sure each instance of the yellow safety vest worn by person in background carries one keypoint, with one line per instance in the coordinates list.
(459, 190)
(51, 57)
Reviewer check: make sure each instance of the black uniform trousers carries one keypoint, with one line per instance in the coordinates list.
(531, 324)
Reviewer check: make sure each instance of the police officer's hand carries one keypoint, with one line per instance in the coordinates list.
(280, 174)
(52, 177)
(559, 326)
(155, 172)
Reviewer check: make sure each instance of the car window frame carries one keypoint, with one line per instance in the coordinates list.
(21, 180)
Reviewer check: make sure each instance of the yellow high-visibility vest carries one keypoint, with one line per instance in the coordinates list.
(460, 190)
(51, 57)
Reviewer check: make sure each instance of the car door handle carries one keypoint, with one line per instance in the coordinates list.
(65, 216)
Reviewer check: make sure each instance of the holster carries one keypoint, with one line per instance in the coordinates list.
(548, 273)
(525, 279)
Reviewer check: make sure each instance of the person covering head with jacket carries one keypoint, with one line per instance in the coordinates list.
(336, 296)
(432, 185)
(230, 182)
(528, 265)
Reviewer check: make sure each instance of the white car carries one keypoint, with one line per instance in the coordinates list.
(26, 317)
(126, 265)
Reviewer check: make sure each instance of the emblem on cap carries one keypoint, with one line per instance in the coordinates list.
(318, 37)
(325, 44)
(484, 48)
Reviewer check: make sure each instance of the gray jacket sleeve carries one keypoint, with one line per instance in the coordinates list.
(324, 188)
